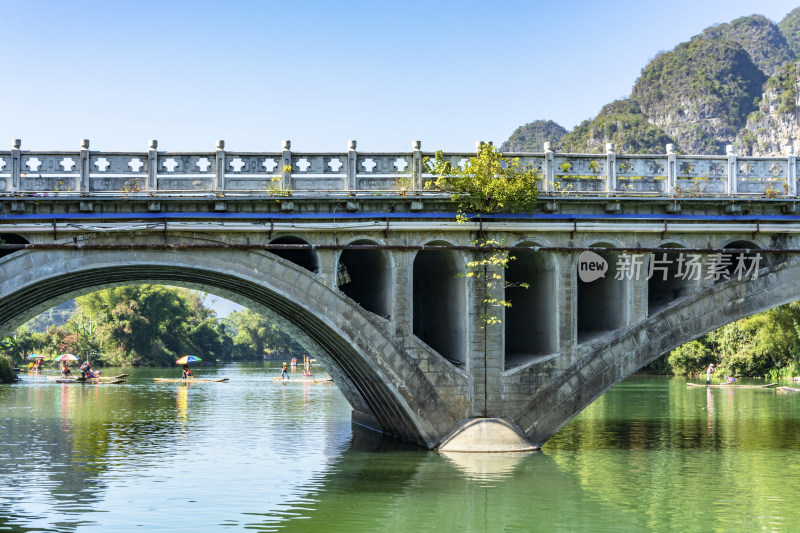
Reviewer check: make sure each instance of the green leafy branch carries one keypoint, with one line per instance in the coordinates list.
(487, 183)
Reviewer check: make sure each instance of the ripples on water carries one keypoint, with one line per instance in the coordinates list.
(252, 454)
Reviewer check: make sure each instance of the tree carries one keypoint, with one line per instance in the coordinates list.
(487, 183)
(256, 336)
(151, 324)
(82, 341)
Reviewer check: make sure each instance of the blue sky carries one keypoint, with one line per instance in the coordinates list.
(319, 73)
(253, 73)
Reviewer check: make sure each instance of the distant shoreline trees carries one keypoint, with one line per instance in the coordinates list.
(146, 325)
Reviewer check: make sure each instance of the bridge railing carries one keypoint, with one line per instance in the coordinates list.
(284, 173)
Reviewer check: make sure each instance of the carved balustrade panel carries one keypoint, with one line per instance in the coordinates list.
(762, 175)
(641, 174)
(246, 183)
(171, 164)
(709, 168)
(251, 163)
(113, 163)
(49, 163)
(318, 164)
(536, 162)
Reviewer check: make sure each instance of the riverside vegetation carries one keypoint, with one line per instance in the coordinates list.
(765, 344)
(144, 325)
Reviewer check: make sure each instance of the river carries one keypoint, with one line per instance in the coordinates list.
(252, 454)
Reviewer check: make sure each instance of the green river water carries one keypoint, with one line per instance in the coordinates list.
(252, 454)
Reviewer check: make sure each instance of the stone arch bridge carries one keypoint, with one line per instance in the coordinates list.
(370, 284)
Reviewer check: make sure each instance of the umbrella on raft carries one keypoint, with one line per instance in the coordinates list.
(186, 359)
(35, 356)
(68, 357)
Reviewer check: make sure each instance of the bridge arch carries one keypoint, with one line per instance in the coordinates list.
(365, 276)
(383, 382)
(602, 303)
(439, 301)
(530, 323)
(731, 269)
(11, 238)
(669, 280)
(603, 364)
(303, 258)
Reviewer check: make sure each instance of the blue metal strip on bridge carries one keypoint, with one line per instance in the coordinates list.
(319, 216)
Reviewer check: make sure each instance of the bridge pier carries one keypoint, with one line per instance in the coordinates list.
(327, 267)
(402, 294)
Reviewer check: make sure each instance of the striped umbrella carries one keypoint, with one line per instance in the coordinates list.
(186, 359)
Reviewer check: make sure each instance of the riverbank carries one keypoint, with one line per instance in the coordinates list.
(7, 374)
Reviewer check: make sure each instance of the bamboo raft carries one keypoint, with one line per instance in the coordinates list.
(90, 381)
(732, 385)
(305, 380)
(189, 380)
(100, 378)
(789, 389)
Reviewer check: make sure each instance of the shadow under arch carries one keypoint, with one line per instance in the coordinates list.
(11, 238)
(355, 347)
(439, 301)
(735, 265)
(602, 365)
(669, 276)
(366, 277)
(303, 258)
(530, 323)
(602, 303)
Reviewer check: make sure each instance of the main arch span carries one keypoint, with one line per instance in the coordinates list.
(384, 380)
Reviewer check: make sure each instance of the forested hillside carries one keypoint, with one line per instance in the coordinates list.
(734, 83)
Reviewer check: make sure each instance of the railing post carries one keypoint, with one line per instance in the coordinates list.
(791, 171)
(672, 169)
(83, 167)
(416, 166)
(219, 183)
(733, 187)
(152, 166)
(547, 168)
(611, 168)
(16, 165)
(352, 160)
(286, 165)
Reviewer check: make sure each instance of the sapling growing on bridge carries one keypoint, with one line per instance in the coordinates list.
(485, 184)
(484, 271)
